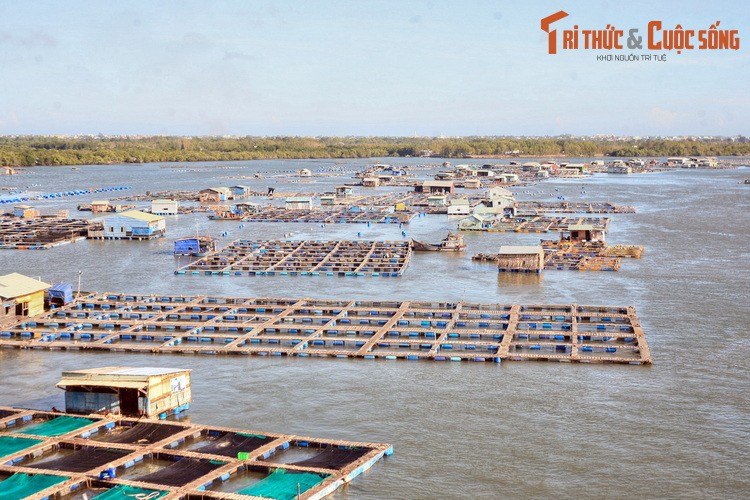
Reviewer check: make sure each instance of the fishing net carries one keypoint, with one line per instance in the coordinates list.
(333, 458)
(230, 445)
(144, 433)
(81, 460)
(56, 427)
(10, 445)
(20, 485)
(122, 492)
(283, 485)
(179, 473)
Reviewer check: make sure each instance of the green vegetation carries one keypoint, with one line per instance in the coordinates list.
(39, 150)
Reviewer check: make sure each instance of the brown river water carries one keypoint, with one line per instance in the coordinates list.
(679, 428)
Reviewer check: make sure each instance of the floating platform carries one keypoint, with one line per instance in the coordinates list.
(334, 216)
(52, 454)
(538, 224)
(305, 258)
(440, 331)
(41, 233)
(573, 207)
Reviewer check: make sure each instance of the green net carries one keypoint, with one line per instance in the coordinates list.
(56, 427)
(122, 492)
(282, 485)
(20, 485)
(9, 445)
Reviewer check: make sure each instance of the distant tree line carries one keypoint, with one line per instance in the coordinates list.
(42, 150)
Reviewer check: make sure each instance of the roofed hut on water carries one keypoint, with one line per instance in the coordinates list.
(528, 259)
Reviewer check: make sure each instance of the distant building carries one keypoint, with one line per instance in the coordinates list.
(476, 222)
(460, 206)
(25, 211)
(371, 182)
(21, 295)
(134, 225)
(304, 172)
(343, 191)
(327, 199)
(498, 201)
(434, 187)
(619, 169)
(437, 200)
(240, 191)
(215, 195)
(100, 206)
(298, 203)
(164, 207)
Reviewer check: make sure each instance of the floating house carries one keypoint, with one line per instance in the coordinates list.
(298, 203)
(476, 222)
(247, 207)
(471, 183)
(164, 207)
(583, 232)
(131, 392)
(435, 187)
(437, 200)
(304, 172)
(239, 191)
(60, 294)
(498, 201)
(197, 246)
(343, 191)
(134, 225)
(21, 295)
(25, 211)
(215, 195)
(619, 169)
(371, 182)
(100, 206)
(459, 206)
(528, 259)
(328, 199)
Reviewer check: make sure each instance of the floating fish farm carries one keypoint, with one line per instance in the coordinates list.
(537, 224)
(57, 455)
(305, 258)
(40, 233)
(337, 216)
(389, 330)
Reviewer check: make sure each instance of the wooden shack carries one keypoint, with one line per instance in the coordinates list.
(100, 206)
(583, 232)
(164, 207)
(23, 294)
(133, 392)
(526, 259)
(371, 182)
(25, 211)
(435, 187)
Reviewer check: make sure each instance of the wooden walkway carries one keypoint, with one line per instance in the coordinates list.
(209, 468)
(410, 330)
(305, 258)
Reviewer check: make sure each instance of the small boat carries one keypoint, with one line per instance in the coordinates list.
(452, 243)
(197, 246)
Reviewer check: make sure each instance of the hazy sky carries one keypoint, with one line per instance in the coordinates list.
(358, 68)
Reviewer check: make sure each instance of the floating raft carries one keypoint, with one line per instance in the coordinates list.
(50, 454)
(573, 207)
(337, 216)
(540, 224)
(439, 331)
(305, 258)
(40, 233)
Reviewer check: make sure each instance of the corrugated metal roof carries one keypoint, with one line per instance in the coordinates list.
(299, 199)
(520, 249)
(15, 285)
(137, 214)
(122, 384)
(146, 371)
(438, 183)
(580, 227)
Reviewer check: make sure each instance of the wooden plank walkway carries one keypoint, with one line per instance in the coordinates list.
(170, 442)
(409, 330)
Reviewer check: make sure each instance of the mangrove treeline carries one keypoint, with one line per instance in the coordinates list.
(41, 150)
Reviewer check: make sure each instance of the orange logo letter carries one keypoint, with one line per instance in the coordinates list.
(552, 35)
